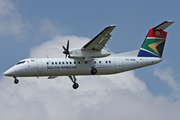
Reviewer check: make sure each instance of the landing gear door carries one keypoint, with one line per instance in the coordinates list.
(119, 63)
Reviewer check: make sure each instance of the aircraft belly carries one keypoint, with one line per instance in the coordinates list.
(77, 72)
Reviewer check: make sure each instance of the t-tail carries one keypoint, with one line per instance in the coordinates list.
(155, 40)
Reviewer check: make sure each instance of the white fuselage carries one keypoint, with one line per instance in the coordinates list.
(66, 67)
(92, 59)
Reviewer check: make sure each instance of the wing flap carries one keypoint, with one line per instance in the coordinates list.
(102, 43)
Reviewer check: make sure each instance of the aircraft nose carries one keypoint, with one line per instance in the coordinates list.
(10, 72)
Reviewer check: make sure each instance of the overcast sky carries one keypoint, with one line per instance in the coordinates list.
(40, 28)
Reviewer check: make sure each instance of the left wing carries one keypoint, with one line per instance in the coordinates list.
(100, 40)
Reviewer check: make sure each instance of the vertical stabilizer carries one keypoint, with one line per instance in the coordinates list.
(155, 40)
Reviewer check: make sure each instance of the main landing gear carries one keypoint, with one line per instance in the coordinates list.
(16, 81)
(92, 64)
(93, 71)
(73, 79)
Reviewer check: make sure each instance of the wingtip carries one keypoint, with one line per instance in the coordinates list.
(170, 21)
(111, 26)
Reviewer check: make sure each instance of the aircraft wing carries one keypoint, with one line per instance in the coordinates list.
(98, 42)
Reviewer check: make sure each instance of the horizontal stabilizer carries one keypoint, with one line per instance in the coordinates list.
(163, 25)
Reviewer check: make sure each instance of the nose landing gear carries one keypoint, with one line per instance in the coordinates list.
(73, 79)
(16, 81)
(75, 85)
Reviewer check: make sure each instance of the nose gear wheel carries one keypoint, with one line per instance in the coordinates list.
(73, 79)
(16, 81)
(75, 85)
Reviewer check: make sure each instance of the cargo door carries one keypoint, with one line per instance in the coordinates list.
(119, 63)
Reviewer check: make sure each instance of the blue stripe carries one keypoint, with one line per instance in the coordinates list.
(143, 53)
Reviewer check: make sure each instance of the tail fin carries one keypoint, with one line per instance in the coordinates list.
(155, 40)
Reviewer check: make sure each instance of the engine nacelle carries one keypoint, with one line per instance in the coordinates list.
(85, 54)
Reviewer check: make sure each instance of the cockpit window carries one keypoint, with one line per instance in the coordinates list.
(21, 62)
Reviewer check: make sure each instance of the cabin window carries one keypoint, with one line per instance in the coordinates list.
(85, 62)
(106, 62)
(56, 63)
(52, 63)
(47, 63)
(100, 62)
(74, 62)
(79, 62)
(62, 62)
(94, 62)
(70, 62)
(109, 61)
(66, 62)
(59, 62)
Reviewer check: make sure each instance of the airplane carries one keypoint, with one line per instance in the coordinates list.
(93, 59)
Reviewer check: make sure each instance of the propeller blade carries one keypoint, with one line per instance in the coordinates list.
(68, 47)
(66, 50)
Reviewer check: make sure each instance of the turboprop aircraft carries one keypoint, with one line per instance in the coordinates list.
(92, 59)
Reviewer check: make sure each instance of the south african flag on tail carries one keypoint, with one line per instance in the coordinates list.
(155, 40)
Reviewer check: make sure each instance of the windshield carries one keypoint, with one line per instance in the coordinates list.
(21, 62)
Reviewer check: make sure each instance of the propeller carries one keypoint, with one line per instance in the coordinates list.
(66, 50)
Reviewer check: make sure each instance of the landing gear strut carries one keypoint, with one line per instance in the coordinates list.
(73, 79)
(16, 81)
